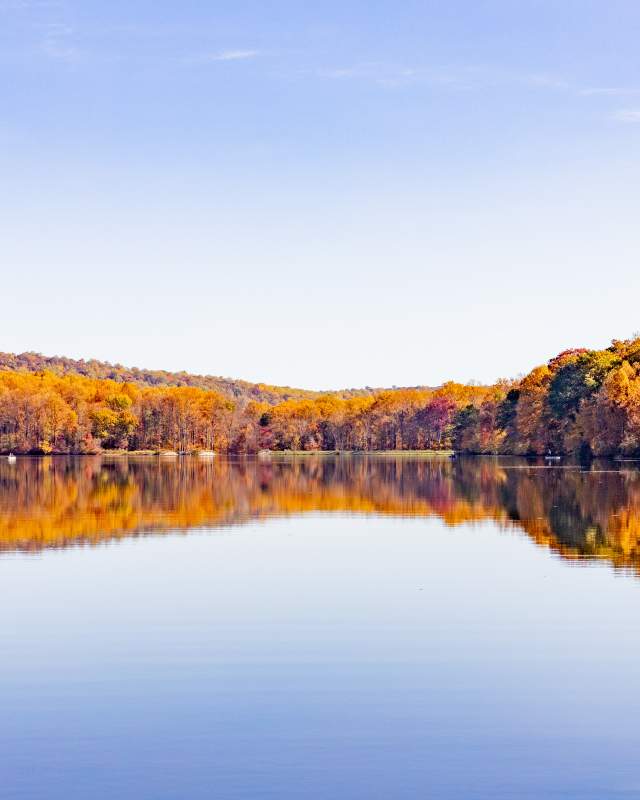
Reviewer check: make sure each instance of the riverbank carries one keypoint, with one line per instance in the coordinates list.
(395, 453)
(260, 454)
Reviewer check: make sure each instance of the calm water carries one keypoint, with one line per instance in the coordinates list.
(354, 627)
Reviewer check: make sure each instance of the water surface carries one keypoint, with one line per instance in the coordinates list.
(322, 627)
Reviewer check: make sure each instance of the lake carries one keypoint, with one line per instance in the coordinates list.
(318, 627)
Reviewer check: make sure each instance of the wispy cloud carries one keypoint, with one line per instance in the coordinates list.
(477, 78)
(366, 69)
(58, 43)
(342, 72)
(543, 81)
(627, 115)
(385, 74)
(609, 91)
(23, 5)
(452, 77)
(229, 55)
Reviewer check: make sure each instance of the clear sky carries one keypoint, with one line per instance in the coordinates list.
(319, 194)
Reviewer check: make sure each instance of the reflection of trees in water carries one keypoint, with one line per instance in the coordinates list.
(54, 502)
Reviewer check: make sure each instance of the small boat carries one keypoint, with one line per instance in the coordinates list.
(11, 458)
(552, 458)
(206, 453)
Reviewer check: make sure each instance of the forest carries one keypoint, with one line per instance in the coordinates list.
(233, 388)
(582, 402)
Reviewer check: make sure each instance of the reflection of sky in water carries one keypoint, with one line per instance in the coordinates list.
(321, 657)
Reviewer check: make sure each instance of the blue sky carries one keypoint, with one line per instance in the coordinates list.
(324, 195)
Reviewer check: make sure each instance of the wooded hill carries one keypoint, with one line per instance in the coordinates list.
(103, 370)
(583, 402)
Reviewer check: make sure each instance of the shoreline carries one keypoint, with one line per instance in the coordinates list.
(260, 454)
(269, 455)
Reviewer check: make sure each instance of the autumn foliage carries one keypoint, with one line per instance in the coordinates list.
(582, 402)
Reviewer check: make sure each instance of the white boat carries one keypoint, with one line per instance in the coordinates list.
(11, 458)
(206, 453)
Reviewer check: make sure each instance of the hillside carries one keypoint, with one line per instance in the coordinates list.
(582, 402)
(103, 370)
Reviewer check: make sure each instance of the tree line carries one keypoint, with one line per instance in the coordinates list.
(103, 370)
(583, 402)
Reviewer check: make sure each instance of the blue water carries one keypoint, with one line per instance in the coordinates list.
(319, 656)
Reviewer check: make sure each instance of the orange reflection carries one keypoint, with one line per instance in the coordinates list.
(57, 502)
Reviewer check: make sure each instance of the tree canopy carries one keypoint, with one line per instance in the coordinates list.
(581, 401)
